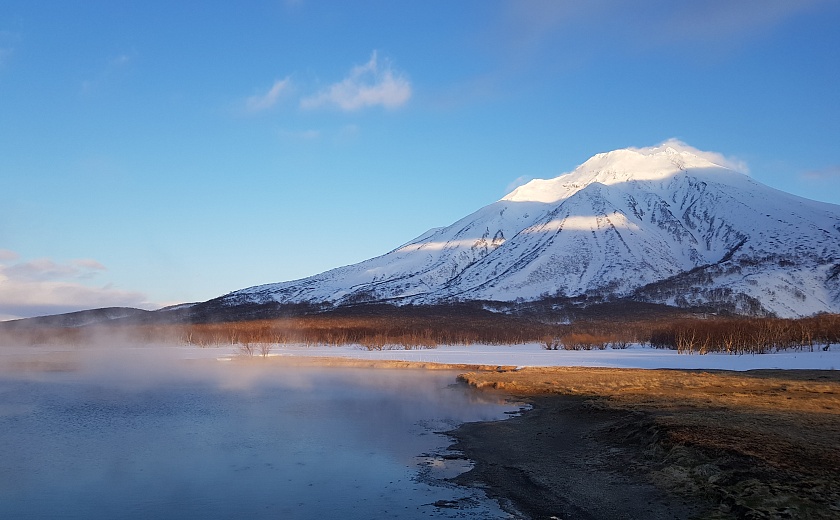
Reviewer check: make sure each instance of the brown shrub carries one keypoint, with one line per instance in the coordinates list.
(692, 336)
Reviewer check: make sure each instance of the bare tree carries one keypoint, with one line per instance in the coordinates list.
(246, 348)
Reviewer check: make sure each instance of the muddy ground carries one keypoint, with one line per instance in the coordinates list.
(622, 443)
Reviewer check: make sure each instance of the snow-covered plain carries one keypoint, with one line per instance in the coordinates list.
(532, 354)
(157, 357)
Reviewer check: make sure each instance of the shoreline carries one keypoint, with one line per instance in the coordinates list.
(616, 442)
(554, 461)
(623, 443)
(345, 362)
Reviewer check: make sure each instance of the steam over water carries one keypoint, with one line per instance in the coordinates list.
(144, 433)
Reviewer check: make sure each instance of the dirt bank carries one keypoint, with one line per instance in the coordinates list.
(615, 443)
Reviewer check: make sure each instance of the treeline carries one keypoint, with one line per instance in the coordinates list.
(703, 335)
(697, 335)
(753, 336)
(373, 332)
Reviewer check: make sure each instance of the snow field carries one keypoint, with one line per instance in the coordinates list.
(533, 354)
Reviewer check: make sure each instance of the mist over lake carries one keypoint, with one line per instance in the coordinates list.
(142, 433)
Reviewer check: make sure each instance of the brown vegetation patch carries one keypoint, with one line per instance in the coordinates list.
(759, 444)
(431, 327)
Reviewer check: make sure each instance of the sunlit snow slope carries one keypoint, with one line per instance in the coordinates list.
(667, 224)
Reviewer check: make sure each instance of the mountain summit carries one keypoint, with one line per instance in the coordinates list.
(619, 166)
(667, 224)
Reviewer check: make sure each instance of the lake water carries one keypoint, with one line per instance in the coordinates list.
(140, 436)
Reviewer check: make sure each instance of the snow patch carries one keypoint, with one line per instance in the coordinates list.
(533, 354)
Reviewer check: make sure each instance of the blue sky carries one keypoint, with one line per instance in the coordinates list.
(156, 152)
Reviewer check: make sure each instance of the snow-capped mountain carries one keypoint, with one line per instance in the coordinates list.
(666, 224)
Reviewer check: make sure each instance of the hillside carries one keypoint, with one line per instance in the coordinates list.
(666, 224)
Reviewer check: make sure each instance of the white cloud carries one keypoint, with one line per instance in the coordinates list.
(43, 286)
(367, 85)
(114, 70)
(8, 42)
(517, 182)
(305, 135)
(41, 269)
(349, 132)
(89, 263)
(5, 54)
(260, 102)
(651, 22)
(121, 60)
(828, 173)
(733, 163)
(712, 21)
(585, 31)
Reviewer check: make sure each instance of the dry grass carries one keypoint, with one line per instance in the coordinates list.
(814, 391)
(763, 443)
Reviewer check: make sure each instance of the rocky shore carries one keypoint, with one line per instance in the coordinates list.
(619, 443)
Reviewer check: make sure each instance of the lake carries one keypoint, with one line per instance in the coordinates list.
(140, 433)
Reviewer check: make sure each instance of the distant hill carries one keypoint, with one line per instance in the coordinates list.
(79, 318)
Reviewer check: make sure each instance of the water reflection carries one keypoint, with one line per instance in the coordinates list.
(134, 435)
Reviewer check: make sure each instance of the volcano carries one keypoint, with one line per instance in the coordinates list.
(667, 224)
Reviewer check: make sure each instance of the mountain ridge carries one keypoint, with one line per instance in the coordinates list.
(624, 224)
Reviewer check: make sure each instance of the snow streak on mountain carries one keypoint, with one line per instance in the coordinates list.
(666, 224)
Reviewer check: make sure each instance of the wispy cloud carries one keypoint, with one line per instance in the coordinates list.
(266, 100)
(120, 61)
(44, 286)
(8, 41)
(39, 270)
(114, 68)
(733, 163)
(827, 173)
(5, 54)
(367, 85)
(304, 135)
(721, 19)
(89, 263)
(647, 23)
(7, 254)
(517, 182)
(349, 132)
